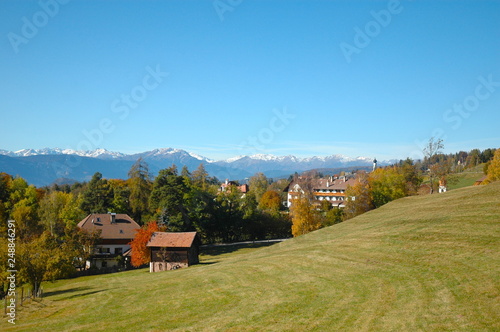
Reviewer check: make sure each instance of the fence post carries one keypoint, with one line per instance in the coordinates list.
(22, 295)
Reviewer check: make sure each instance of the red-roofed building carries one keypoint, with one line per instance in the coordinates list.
(116, 230)
(231, 184)
(173, 250)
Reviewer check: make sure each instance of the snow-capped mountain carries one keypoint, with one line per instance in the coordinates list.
(97, 153)
(167, 152)
(44, 166)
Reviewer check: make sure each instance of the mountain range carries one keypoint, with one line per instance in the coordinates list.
(45, 166)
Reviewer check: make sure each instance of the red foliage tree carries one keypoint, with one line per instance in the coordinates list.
(140, 253)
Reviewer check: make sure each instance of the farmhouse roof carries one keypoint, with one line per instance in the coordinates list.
(172, 239)
(330, 183)
(111, 225)
(333, 184)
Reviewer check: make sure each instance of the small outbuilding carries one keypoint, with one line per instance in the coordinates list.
(480, 181)
(173, 250)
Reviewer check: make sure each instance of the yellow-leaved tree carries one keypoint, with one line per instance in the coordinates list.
(358, 197)
(494, 168)
(387, 184)
(305, 217)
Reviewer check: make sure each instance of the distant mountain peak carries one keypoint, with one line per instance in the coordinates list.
(233, 159)
(103, 153)
(44, 166)
(97, 153)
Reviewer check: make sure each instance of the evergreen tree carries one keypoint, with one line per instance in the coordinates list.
(412, 176)
(200, 177)
(167, 197)
(121, 194)
(98, 195)
(185, 173)
(140, 188)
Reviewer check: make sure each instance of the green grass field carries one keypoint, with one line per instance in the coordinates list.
(423, 263)
(465, 178)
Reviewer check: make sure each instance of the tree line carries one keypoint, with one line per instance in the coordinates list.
(404, 178)
(50, 245)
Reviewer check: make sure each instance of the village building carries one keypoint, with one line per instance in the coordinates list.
(173, 250)
(231, 184)
(331, 189)
(116, 231)
(442, 185)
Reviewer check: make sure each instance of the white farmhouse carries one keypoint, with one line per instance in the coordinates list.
(116, 232)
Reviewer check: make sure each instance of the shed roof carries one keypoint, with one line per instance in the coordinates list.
(172, 239)
(123, 226)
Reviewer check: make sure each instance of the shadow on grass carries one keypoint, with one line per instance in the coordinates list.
(80, 295)
(216, 250)
(70, 290)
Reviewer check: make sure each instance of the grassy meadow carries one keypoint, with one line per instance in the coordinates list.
(423, 263)
(465, 178)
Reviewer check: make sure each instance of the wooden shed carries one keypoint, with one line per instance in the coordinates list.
(173, 250)
(480, 181)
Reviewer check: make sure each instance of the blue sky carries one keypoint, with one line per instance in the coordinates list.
(225, 77)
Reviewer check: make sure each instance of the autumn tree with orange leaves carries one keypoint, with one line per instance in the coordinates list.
(140, 253)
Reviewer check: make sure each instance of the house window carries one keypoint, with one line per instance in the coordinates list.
(118, 251)
(102, 250)
(104, 264)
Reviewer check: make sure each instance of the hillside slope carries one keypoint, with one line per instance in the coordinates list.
(426, 263)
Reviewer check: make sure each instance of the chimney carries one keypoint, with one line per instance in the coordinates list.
(113, 218)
